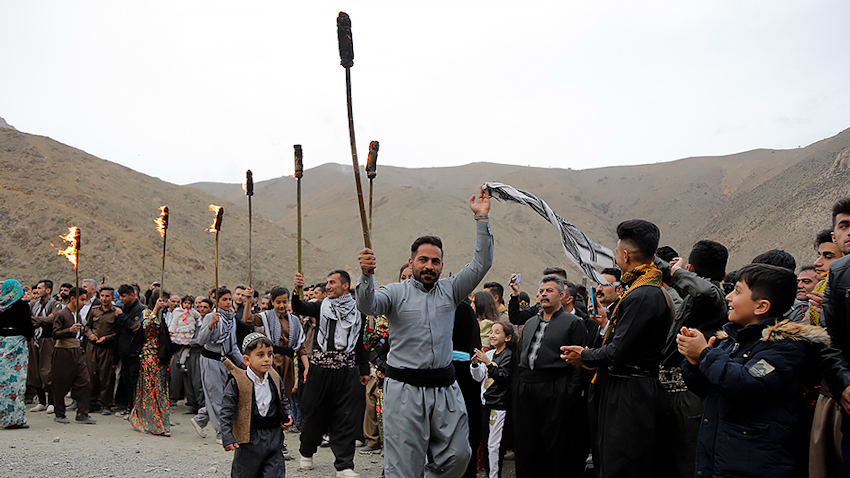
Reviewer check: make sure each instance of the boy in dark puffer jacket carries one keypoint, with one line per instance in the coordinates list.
(750, 375)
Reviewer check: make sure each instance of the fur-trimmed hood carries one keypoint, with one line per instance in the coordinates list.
(790, 330)
(786, 329)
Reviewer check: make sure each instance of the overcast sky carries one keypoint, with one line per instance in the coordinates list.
(200, 91)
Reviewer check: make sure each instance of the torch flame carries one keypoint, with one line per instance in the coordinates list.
(70, 252)
(162, 221)
(216, 225)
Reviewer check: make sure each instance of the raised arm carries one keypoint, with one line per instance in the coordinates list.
(473, 273)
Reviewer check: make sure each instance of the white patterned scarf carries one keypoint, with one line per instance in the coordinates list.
(342, 311)
(584, 253)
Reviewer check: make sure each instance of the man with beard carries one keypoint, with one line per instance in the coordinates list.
(425, 420)
(629, 406)
(547, 390)
(44, 308)
(337, 365)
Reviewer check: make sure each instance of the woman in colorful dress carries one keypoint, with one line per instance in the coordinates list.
(150, 410)
(15, 329)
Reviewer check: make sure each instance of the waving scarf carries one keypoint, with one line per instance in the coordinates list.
(340, 317)
(271, 324)
(11, 293)
(584, 253)
(227, 325)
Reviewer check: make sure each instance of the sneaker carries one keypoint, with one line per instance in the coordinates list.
(285, 452)
(509, 455)
(49, 409)
(326, 441)
(369, 449)
(359, 443)
(306, 463)
(61, 420)
(347, 473)
(218, 440)
(198, 429)
(85, 420)
(38, 408)
(106, 411)
(72, 406)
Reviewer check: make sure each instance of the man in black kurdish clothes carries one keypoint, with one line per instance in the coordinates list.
(547, 388)
(338, 371)
(129, 344)
(629, 408)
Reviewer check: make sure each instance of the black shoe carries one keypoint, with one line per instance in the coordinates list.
(106, 411)
(17, 426)
(369, 450)
(85, 419)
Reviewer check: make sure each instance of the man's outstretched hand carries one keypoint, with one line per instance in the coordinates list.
(482, 204)
(367, 261)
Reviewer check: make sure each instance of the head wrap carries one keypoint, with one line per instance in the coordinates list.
(251, 338)
(11, 293)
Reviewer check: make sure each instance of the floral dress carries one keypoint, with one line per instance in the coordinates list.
(150, 411)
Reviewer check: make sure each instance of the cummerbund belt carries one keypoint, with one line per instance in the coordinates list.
(66, 343)
(265, 423)
(432, 377)
(211, 355)
(630, 371)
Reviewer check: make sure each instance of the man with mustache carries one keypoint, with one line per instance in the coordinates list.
(425, 416)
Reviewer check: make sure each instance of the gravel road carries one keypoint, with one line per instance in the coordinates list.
(111, 449)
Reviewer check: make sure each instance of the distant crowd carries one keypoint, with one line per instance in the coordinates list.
(671, 366)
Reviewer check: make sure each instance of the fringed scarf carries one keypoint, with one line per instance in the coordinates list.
(271, 324)
(642, 275)
(341, 312)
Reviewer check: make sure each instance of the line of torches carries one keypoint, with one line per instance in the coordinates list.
(346, 52)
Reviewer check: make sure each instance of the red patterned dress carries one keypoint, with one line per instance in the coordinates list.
(150, 411)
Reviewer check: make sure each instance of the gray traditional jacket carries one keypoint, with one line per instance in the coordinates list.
(420, 320)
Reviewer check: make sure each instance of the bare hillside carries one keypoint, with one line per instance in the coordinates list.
(48, 187)
(690, 199)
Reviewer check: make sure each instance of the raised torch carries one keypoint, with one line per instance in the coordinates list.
(371, 172)
(215, 228)
(299, 173)
(162, 227)
(72, 253)
(346, 55)
(249, 191)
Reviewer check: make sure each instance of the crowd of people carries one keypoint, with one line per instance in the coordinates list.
(672, 366)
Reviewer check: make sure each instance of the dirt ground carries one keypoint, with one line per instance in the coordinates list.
(112, 449)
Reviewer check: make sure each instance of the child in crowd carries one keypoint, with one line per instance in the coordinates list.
(184, 320)
(495, 390)
(751, 375)
(255, 412)
(487, 312)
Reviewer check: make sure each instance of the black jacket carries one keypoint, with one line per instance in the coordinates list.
(129, 342)
(16, 320)
(835, 359)
(751, 383)
(703, 308)
(498, 394)
(563, 329)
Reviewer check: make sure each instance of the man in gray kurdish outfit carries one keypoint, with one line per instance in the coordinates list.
(424, 412)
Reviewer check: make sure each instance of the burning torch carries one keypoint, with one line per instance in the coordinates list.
(72, 253)
(162, 227)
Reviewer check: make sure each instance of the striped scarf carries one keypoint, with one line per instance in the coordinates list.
(642, 275)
